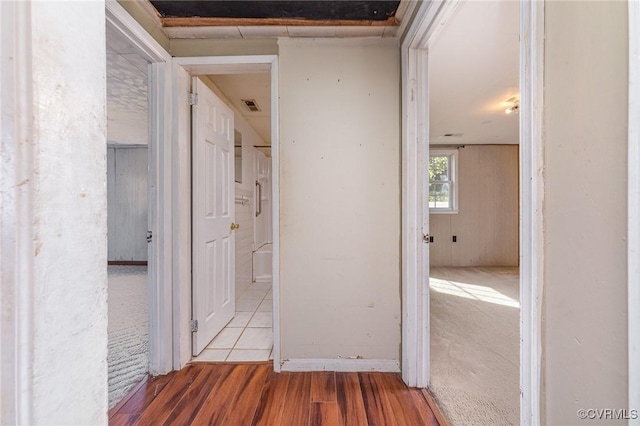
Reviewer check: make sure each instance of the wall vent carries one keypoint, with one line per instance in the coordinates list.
(251, 104)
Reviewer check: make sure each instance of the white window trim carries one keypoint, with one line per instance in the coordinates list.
(453, 153)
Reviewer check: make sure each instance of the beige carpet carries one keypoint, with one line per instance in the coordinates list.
(128, 357)
(475, 345)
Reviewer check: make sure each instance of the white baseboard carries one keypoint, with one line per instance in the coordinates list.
(342, 365)
(263, 279)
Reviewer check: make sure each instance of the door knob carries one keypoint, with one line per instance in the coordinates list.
(235, 226)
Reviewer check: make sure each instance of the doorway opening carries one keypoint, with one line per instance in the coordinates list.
(418, 356)
(246, 332)
(252, 332)
(139, 213)
(474, 214)
(127, 212)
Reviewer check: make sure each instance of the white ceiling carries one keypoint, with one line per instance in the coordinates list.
(249, 86)
(473, 71)
(127, 102)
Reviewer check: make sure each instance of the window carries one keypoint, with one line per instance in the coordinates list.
(442, 181)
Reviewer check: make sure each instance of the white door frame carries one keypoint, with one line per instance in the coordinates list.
(183, 69)
(429, 19)
(531, 198)
(633, 225)
(160, 254)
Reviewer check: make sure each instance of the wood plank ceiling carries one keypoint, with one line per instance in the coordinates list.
(290, 13)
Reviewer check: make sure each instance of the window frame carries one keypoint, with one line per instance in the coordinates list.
(452, 153)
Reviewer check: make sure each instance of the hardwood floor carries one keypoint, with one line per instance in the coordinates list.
(252, 394)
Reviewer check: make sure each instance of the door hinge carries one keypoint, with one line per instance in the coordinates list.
(194, 325)
(427, 239)
(193, 99)
(149, 236)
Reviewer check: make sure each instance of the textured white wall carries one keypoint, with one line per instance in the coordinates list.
(70, 213)
(340, 198)
(585, 166)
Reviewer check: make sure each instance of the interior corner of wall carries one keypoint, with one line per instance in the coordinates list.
(282, 41)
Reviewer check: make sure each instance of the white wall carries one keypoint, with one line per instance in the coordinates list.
(127, 170)
(339, 199)
(486, 225)
(245, 235)
(244, 243)
(584, 332)
(224, 47)
(263, 223)
(58, 273)
(181, 218)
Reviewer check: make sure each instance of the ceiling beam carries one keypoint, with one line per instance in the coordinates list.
(239, 22)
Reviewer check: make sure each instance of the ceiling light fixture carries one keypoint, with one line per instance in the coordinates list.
(513, 109)
(515, 106)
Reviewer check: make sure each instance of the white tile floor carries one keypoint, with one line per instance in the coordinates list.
(249, 335)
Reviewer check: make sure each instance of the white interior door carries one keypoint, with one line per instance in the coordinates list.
(213, 212)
